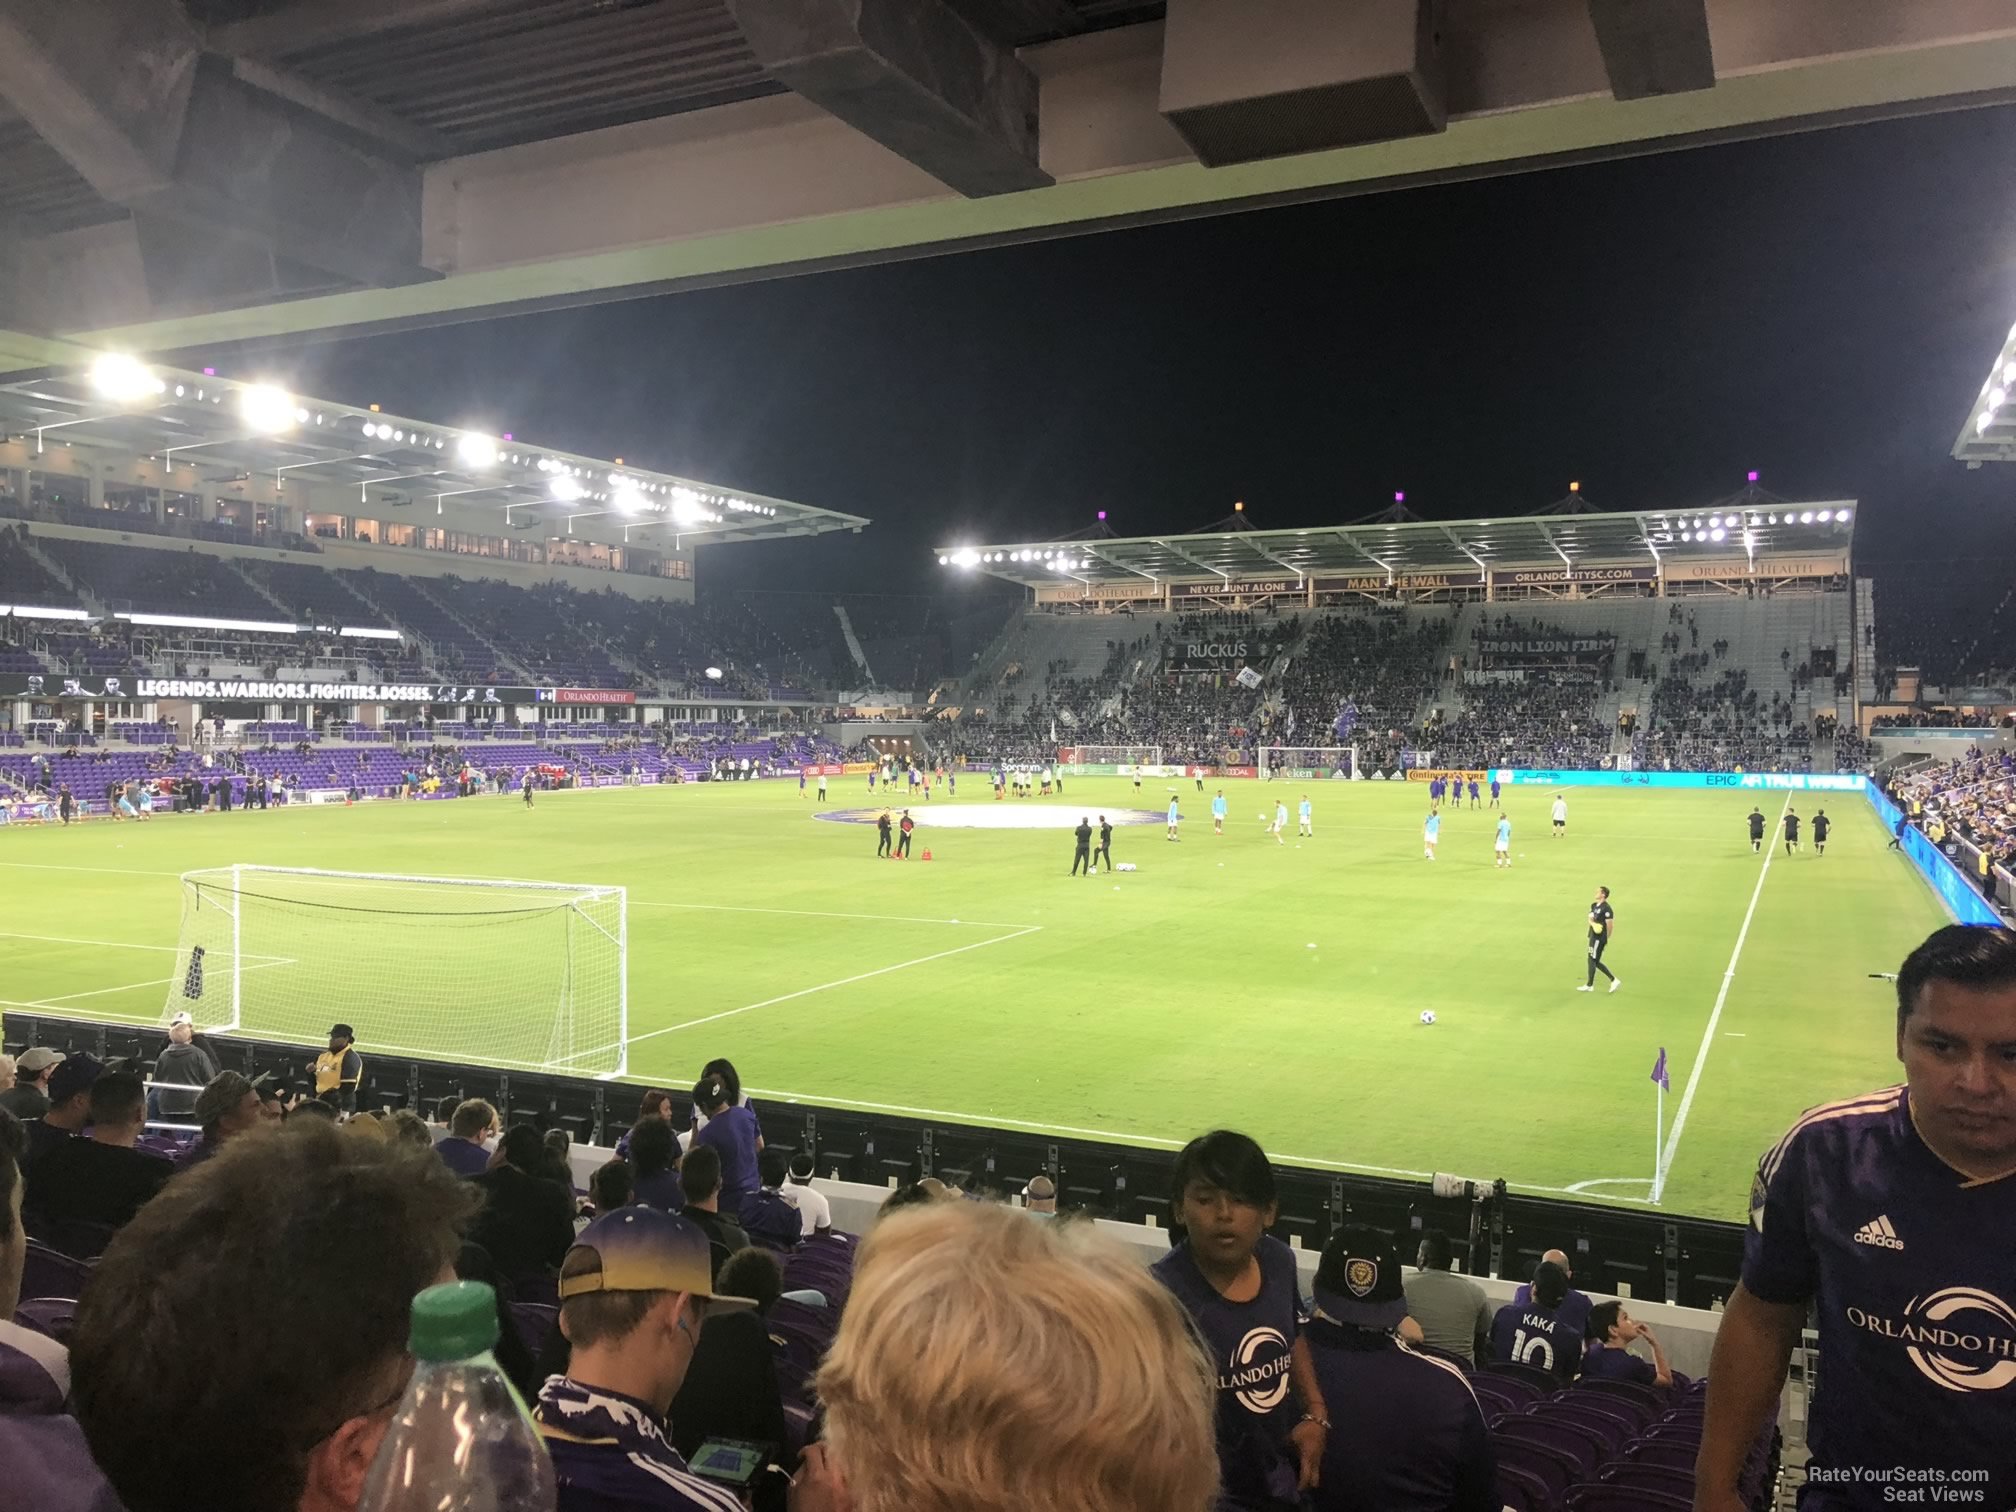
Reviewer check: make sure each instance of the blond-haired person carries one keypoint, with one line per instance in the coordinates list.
(988, 1362)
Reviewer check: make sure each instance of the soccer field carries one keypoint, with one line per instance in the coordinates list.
(1274, 988)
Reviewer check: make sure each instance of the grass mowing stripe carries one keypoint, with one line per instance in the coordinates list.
(1772, 840)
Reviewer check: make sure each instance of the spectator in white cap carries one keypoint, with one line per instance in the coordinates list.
(1040, 1196)
(182, 1064)
(29, 1096)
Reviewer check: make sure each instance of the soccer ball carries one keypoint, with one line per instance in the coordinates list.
(1427, 1015)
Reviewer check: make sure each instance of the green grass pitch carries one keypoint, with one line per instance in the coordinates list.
(1230, 980)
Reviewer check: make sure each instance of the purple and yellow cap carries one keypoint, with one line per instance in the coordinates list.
(643, 1249)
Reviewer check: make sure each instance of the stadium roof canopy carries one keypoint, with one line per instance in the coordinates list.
(119, 404)
(1990, 432)
(244, 169)
(1399, 547)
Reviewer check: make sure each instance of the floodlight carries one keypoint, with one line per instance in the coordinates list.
(686, 509)
(944, 561)
(1771, 519)
(967, 557)
(1982, 421)
(1806, 518)
(627, 499)
(371, 429)
(1717, 533)
(2008, 373)
(124, 380)
(1715, 520)
(1824, 516)
(566, 490)
(714, 674)
(266, 409)
(476, 449)
(1996, 395)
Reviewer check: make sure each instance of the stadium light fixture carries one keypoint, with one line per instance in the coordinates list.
(476, 449)
(266, 409)
(1806, 517)
(1717, 534)
(714, 674)
(124, 380)
(1771, 519)
(1824, 516)
(566, 490)
(967, 557)
(628, 498)
(1840, 517)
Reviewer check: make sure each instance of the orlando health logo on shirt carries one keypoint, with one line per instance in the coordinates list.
(1259, 1373)
(1961, 1337)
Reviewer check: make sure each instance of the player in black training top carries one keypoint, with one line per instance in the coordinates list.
(1105, 850)
(1756, 829)
(1821, 824)
(1081, 856)
(1791, 831)
(1602, 922)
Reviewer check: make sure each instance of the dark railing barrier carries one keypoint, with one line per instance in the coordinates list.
(1692, 1262)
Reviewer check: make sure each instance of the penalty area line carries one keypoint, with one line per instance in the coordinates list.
(727, 1013)
(1672, 1147)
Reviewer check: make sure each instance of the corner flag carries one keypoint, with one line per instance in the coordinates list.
(1659, 1072)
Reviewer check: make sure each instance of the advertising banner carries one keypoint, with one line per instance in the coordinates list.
(1188, 655)
(1429, 774)
(1546, 650)
(587, 695)
(1844, 782)
(257, 690)
(1559, 577)
(828, 768)
(1241, 586)
(1405, 583)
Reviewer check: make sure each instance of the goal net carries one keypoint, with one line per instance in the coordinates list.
(527, 975)
(1109, 755)
(1309, 761)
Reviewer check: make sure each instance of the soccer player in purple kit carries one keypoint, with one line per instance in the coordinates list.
(1238, 1284)
(1893, 1216)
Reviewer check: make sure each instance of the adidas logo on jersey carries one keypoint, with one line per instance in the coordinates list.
(1877, 1231)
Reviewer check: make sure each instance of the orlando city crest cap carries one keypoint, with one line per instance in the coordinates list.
(1358, 1278)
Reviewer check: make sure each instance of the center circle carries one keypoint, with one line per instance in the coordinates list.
(995, 816)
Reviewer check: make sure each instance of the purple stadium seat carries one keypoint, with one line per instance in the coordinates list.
(1543, 1382)
(1516, 1392)
(51, 1273)
(1587, 1447)
(54, 1316)
(1671, 1453)
(534, 1322)
(541, 1291)
(1650, 1397)
(1632, 1475)
(1521, 1490)
(1600, 1497)
(1618, 1427)
(1552, 1472)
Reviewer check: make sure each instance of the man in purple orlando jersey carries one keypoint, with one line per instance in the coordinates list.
(732, 1132)
(1238, 1283)
(1893, 1217)
(1541, 1331)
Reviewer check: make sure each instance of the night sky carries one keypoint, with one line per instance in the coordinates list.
(1820, 307)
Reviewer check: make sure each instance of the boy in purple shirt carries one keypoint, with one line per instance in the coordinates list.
(1612, 1331)
(731, 1131)
(1238, 1284)
(1891, 1216)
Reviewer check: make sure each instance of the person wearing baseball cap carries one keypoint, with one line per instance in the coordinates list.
(338, 1070)
(1406, 1431)
(29, 1096)
(230, 1105)
(183, 1064)
(634, 1291)
(69, 1107)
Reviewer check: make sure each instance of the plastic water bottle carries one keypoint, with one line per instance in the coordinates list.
(461, 1440)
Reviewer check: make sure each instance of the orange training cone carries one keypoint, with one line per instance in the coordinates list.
(927, 855)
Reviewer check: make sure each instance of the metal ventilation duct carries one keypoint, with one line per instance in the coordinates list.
(1245, 80)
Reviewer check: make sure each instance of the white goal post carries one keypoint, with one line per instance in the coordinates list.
(525, 975)
(1076, 758)
(1308, 761)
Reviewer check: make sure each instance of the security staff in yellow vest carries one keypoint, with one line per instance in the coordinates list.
(338, 1070)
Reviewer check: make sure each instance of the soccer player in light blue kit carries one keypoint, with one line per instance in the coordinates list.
(1174, 817)
(1304, 824)
(1430, 833)
(1503, 847)
(1218, 813)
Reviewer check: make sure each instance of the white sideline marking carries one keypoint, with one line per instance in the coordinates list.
(1026, 929)
(1583, 1186)
(986, 1119)
(1715, 1015)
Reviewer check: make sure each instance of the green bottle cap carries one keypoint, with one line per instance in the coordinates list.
(454, 1321)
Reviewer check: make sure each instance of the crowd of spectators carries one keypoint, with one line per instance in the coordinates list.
(1971, 797)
